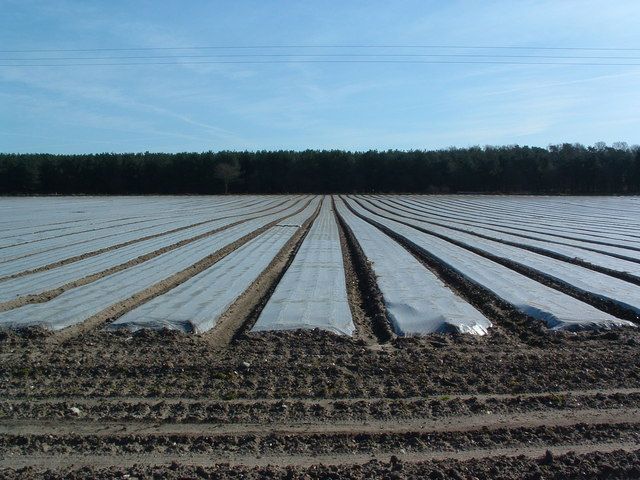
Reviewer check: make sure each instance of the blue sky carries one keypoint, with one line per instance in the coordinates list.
(357, 106)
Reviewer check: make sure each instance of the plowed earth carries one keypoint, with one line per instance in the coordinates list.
(520, 402)
(315, 405)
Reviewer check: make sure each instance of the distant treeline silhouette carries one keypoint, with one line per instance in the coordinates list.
(564, 169)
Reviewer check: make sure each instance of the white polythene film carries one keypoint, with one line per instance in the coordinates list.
(626, 248)
(39, 282)
(312, 293)
(78, 304)
(558, 310)
(569, 251)
(583, 279)
(417, 301)
(492, 213)
(64, 248)
(48, 239)
(197, 304)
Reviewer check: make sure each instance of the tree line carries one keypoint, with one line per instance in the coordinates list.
(558, 169)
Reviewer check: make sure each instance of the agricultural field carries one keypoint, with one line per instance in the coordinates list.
(330, 336)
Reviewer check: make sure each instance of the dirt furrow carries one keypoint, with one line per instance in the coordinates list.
(242, 314)
(114, 311)
(598, 394)
(97, 229)
(137, 240)
(612, 460)
(604, 304)
(499, 312)
(266, 442)
(50, 294)
(290, 410)
(513, 230)
(311, 365)
(558, 256)
(365, 299)
(76, 424)
(146, 218)
(607, 305)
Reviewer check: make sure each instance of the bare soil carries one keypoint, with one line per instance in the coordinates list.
(50, 294)
(520, 402)
(315, 405)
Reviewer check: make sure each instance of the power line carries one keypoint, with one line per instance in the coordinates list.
(255, 47)
(315, 55)
(440, 62)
